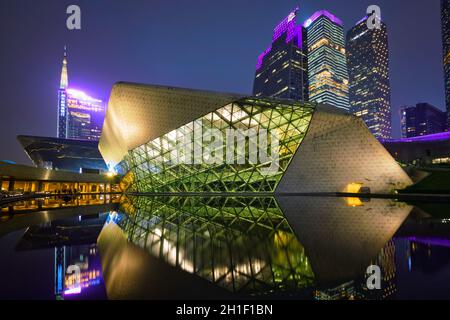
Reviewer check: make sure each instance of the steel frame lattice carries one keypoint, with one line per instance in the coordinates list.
(243, 244)
(149, 168)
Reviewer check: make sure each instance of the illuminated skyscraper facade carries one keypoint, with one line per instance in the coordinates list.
(327, 65)
(368, 68)
(281, 70)
(445, 17)
(79, 115)
(62, 100)
(86, 116)
(421, 120)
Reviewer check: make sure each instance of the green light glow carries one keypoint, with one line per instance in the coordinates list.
(243, 244)
(150, 169)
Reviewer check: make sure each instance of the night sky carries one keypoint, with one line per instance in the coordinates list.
(203, 44)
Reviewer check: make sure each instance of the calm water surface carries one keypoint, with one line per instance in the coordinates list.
(223, 247)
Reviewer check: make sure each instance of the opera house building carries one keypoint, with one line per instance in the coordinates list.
(318, 149)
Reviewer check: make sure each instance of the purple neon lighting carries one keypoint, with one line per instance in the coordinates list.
(80, 95)
(432, 241)
(321, 13)
(261, 57)
(76, 290)
(429, 138)
(363, 19)
(288, 26)
(297, 32)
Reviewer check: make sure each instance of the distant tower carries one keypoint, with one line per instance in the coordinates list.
(80, 116)
(281, 70)
(445, 18)
(368, 68)
(327, 65)
(62, 99)
(421, 120)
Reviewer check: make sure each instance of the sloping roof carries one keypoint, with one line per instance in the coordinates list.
(65, 154)
(138, 113)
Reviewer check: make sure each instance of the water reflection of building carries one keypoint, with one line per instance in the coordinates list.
(87, 259)
(74, 241)
(247, 246)
(243, 245)
(56, 203)
(427, 257)
(342, 240)
(386, 261)
(357, 289)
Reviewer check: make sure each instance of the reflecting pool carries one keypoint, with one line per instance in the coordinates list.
(225, 248)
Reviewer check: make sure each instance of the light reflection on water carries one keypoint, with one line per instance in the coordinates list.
(234, 247)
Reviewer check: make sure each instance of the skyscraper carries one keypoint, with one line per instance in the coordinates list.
(368, 68)
(327, 65)
(62, 99)
(86, 116)
(281, 70)
(79, 115)
(445, 18)
(421, 120)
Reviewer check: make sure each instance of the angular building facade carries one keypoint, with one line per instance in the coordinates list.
(368, 68)
(281, 70)
(421, 120)
(254, 246)
(445, 18)
(150, 132)
(64, 154)
(327, 65)
(79, 115)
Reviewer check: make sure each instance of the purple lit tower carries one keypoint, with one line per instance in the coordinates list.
(281, 70)
(80, 116)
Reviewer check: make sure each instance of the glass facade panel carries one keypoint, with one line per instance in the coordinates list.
(170, 162)
(243, 244)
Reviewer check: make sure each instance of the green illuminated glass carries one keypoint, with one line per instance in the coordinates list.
(243, 244)
(150, 167)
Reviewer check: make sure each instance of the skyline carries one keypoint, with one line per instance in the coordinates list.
(229, 70)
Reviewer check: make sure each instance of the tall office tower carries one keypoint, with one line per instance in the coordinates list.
(445, 17)
(86, 115)
(421, 120)
(79, 115)
(62, 99)
(327, 65)
(281, 70)
(368, 69)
